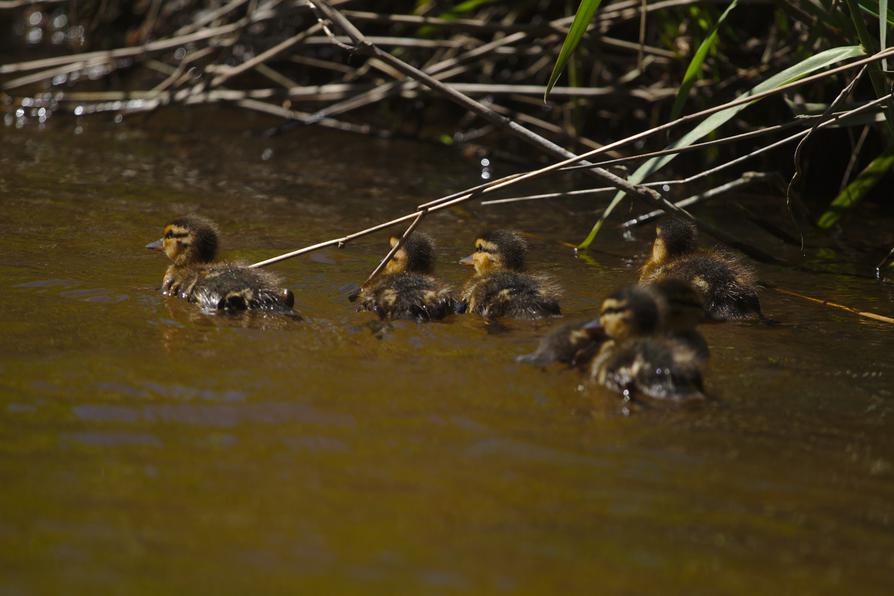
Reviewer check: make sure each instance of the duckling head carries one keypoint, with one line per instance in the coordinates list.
(680, 307)
(629, 312)
(496, 250)
(673, 238)
(188, 240)
(417, 254)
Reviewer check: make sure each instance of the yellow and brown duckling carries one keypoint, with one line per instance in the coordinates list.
(654, 350)
(668, 306)
(499, 287)
(406, 290)
(191, 242)
(727, 286)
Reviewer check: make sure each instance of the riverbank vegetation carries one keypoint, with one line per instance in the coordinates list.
(790, 94)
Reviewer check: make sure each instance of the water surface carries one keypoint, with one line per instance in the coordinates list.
(146, 448)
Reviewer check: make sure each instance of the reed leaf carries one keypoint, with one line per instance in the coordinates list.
(695, 65)
(854, 192)
(585, 12)
(716, 120)
(883, 29)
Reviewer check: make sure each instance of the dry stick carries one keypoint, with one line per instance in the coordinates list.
(126, 52)
(558, 26)
(746, 179)
(51, 73)
(8, 4)
(855, 154)
(265, 55)
(282, 112)
(829, 109)
(705, 173)
(371, 50)
(642, 34)
(884, 263)
(395, 248)
(437, 69)
(850, 309)
(209, 17)
(365, 47)
(700, 145)
(534, 174)
(181, 68)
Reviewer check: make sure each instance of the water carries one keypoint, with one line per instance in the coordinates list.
(146, 448)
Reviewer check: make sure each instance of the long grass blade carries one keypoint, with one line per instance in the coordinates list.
(585, 12)
(696, 63)
(883, 29)
(716, 120)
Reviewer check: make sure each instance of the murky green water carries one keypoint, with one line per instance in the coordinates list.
(148, 449)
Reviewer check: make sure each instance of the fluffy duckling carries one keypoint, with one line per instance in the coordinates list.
(654, 350)
(406, 290)
(726, 285)
(191, 242)
(575, 344)
(669, 306)
(499, 288)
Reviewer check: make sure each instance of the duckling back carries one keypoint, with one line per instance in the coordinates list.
(665, 368)
(408, 295)
(726, 285)
(511, 294)
(233, 287)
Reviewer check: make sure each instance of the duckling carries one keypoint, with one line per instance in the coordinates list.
(406, 290)
(575, 344)
(654, 349)
(725, 283)
(191, 242)
(499, 288)
(669, 306)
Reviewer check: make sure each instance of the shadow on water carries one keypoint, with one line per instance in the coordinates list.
(154, 448)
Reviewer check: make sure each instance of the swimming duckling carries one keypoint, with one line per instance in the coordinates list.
(499, 288)
(191, 242)
(668, 306)
(654, 350)
(406, 291)
(575, 344)
(727, 285)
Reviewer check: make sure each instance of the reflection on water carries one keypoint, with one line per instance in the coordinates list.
(150, 447)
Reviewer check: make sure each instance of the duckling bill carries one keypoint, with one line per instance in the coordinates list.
(406, 290)
(499, 287)
(726, 285)
(191, 243)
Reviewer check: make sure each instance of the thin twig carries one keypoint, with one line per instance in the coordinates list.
(397, 246)
(746, 179)
(850, 309)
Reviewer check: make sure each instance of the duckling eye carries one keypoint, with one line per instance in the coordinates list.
(479, 249)
(169, 234)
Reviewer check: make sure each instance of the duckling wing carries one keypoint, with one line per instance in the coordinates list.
(517, 295)
(234, 287)
(570, 344)
(408, 295)
(726, 284)
(660, 369)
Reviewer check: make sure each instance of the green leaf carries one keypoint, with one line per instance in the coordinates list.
(582, 18)
(717, 119)
(854, 192)
(882, 29)
(696, 63)
(872, 8)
